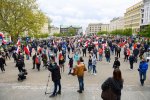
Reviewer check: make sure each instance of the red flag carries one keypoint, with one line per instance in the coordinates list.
(18, 43)
(26, 50)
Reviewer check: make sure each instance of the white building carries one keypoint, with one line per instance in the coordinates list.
(93, 28)
(54, 30)
(105, 27)
(145, 11)
(116, 23)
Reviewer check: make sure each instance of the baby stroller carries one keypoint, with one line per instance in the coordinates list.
(22, 75)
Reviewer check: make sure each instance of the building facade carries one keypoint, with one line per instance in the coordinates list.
(116, 24)
(105, 27)
(132, 17)
(66, 29)
(93, 28)
(54, 29)
(145, 13)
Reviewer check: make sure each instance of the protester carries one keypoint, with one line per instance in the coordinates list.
(56, 77)
(114, 83)
(79, 71)
(131, 61)
(143, 70)
(116, 63)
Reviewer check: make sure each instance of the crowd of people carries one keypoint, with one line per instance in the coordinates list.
(53, 53)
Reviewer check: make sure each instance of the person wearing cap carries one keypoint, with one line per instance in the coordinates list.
(116, 63)
(143, 67)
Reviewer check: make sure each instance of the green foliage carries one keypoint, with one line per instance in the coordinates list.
(145, 32)
(40, 35)
(17, 16)
(71, 32)
(102, 32)
(125, 32)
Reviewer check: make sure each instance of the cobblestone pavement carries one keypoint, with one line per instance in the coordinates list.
(33, 88)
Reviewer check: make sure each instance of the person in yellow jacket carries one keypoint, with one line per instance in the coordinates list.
(79, 71)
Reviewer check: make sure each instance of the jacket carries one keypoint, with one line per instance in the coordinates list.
(55, 71)
(143, 67)
(115, 85)
(116, 64)
(79, 70)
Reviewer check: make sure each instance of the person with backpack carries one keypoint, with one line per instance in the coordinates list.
(38, 61)
(56, 77)
(100, 51)
(111, 88)
(143, 67)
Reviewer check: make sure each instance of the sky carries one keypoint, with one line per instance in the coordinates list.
(83, 12)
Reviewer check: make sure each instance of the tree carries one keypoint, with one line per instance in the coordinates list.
(102, 32)
(17, 16)
(127, 32)
(146, 31)
(117, 32)
(71, 32)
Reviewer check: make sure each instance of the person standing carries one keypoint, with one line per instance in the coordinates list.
(2, 64)
(114, 83)
(70, 64)
(107, 54)
(116, 63)
(94, 64)
(90, 64)
(20, 65)
(136, 53)
(38, 61)
(131, 61)
(79, 71)
(100, 51)
(142, 70)
(118, 51)
(84, 51)
(56, 77)
(33, 59)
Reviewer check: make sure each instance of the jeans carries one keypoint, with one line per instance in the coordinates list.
(94, 68)
(108, 59)
(142, 77)
(100, 57)
(56, 83)
(131, 65)
(81, 83)
(27, 57)
(90, 67)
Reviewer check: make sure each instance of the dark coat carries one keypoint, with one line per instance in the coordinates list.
(55, 71)
(136, 52)
(2, 62)
(115, 85)
(116, 64)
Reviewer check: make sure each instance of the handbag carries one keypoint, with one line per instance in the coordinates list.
(108, 95)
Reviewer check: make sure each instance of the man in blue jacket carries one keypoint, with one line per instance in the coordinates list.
(142, 70)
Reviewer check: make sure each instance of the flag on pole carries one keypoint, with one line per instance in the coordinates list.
(18, 50)
(18, 42)
(26, 50)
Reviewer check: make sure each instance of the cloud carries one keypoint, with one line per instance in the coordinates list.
(83, 12)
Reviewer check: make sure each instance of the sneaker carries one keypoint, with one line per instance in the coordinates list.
(51, 96)
(94, 73)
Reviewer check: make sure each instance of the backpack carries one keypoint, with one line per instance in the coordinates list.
(37, 60)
